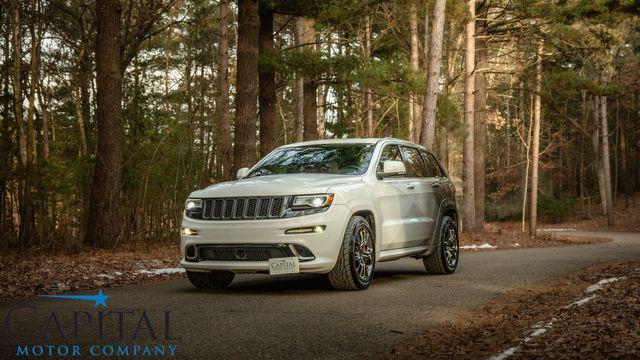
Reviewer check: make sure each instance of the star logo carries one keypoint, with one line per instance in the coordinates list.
(100, 298)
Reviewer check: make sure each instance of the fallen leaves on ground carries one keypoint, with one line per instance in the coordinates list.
(607, 326)
(31, 273)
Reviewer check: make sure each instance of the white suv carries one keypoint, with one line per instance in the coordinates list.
(332, 207)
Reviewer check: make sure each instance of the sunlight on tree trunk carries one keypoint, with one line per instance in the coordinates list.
(433, 77)
(468, 206)
(535, 145)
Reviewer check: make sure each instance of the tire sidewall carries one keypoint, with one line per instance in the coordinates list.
(357, 224)
(447, 221)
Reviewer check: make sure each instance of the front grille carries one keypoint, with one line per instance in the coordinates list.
(242, 253)
(244, 208)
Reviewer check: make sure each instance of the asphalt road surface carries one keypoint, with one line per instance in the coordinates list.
(296, 316)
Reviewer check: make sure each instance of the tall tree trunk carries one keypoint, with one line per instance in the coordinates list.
(369, 130)
(480, 125)
(16, 33)
(224, 159)
(535, 145)
(606, 167)
(598, 164)
(431, 90)
(415, 66)
(322, 111)
(298, 86)
(267, 83)
(310, 85)
(246, 84)
(33, 82)
(104, 204)
(84, 149)
(418, 118)
(468, 210)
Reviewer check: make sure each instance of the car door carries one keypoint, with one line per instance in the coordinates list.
(436, 181)
(394, 196)
(420, 221)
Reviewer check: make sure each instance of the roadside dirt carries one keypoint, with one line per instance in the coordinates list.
(22, 276)
(562, 318)
(499, 236)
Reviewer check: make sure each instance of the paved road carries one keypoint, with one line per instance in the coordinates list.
(299, 316)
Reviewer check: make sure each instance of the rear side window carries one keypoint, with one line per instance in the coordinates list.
(413, 162)
(433, 169)
(390, 152)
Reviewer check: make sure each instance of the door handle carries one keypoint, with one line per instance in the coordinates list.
(435, 185)
(411, 186)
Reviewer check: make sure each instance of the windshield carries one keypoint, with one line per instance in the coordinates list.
(342, 159)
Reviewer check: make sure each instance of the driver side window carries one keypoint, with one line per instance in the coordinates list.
(390, 152)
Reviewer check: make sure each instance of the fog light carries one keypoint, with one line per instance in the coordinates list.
(189, 232)
(190, 252)
(306, 230)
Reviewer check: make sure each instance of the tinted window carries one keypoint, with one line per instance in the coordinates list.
(390, 152)
(344, 159)
(413, 162)
(433, 170)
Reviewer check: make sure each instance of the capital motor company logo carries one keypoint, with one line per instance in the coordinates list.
(77, 329)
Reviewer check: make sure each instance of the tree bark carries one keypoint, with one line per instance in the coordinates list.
(480, 128)
(535, 145)
(298, 86)
(322, 103)
(104, 218)
(415, 66)
(468, 210)
(598, 164)
(369, 130)
(224, 161)
(246, 84)
(606, 166)
(267, 82)
(310, 85)
(431, 90)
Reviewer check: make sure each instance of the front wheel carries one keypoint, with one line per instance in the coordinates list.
(211, 280)
(356, 261)
(444, 259)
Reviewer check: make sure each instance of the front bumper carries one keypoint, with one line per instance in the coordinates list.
(324, 245)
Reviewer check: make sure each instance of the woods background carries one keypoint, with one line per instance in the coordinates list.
(113, 111)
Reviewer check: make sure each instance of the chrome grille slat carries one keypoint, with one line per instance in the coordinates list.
(244, 208)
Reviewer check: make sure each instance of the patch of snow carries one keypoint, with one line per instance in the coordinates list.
(477, 247)
(105, 276)
(516, 245)
(161, 271)
(538, 332)
(581, 301)
(505, 354)
(598, 285)
(117, 273)
(557, 229)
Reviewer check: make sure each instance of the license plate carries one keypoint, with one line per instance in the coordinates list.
(288, 265)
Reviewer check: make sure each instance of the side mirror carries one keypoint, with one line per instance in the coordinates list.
(242, 172)
(393, 168)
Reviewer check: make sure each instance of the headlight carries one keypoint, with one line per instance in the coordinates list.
(311, 201)
(193, 208)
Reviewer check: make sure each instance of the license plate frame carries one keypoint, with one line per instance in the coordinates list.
(286, 265)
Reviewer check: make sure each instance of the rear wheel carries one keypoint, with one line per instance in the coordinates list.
(211, 280)
(444, 259)
(356, 261)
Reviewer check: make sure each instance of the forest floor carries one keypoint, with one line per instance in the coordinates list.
(592, 313)
(46, 273)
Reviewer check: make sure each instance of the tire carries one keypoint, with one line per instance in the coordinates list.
(446, 256)
(356, 261)
(211, 280)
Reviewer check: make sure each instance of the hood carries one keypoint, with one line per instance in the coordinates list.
(271, 185)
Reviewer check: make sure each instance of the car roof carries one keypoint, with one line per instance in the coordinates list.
(350, 141)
